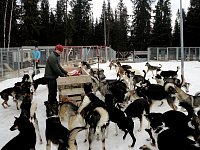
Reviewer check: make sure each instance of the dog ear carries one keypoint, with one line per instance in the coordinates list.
(46, 102)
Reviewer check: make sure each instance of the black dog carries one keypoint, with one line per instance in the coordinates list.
(175, 121)
(115, 87)
(171, 140)
(39, 81)
(117, 116)
(28, 110)
(56, 132)
(170, 73)
(26, 139)
(26, 78)
(157, 92)
(85, 64)
(137, 108)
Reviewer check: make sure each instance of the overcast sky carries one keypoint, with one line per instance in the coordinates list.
(97, 6)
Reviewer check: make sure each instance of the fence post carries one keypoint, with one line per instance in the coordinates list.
(106, 49)
(157, 53)
(84, 54)
(1, 63)
(199, 54)
(148, 55)
(177, 53)
(18, 63)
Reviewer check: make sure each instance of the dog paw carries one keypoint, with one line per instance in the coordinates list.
(148, 139)
(144, 147)
(5, 107)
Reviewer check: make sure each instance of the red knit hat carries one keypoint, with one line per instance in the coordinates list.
(59, 47)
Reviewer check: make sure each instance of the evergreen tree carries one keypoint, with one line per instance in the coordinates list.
(120, 30)
(109, 23)
(60, 22)
(14, 26)
(30, 27)
(52, 28)
(161, 34)
(176, 31)
(81, 17)
(192, 25)
(44, 23)
(2, 10)
(100, 27)
(141, 25)
(176, 34)
(14, 36)
(99, 33)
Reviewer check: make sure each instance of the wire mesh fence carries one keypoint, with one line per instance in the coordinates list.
(17, 60)
(173, 53)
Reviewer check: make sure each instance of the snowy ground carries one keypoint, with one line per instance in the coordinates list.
(191, 71)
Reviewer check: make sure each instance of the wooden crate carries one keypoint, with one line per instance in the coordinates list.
(72, 87)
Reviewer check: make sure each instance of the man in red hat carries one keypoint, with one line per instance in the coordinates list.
(52, 71)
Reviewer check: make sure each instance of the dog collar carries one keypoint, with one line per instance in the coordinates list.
(54, 116)
(160, 129)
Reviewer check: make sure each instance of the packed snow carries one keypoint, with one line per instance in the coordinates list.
(113, 142)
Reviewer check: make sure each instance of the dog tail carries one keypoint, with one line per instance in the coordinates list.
(178, 68)
(182, 81)
(197, 94)
(145, 73)
(189, 109)
(72, 137)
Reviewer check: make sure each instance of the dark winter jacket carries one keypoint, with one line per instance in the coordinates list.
(53, 68)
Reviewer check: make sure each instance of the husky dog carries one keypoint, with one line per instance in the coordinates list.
(173, 125)
(67, 112)
(17, 92)
(152, 68)
(26, 139)
(28, 110)
(120, 119)
(170, 73)
(84, 64)
(98, 121)
(91, 113)
(115, 87)
(6, 93)
(194, 100)
(56, 133)
(121, 69)
(39, 81)
(134, 78)
(137, 108)
(112, 63)
(158, 92)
